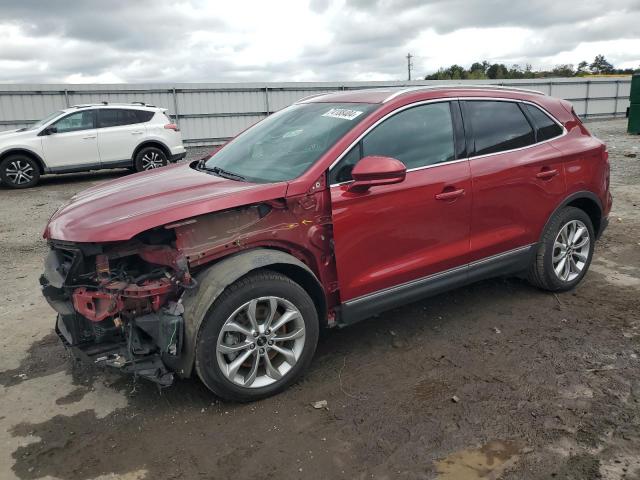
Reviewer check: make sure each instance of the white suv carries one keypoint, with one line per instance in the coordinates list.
(90, 137)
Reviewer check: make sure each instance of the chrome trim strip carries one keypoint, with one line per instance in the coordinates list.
(504, 88)
(434, 276)
(449, 99)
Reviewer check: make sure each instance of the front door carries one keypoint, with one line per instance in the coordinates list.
(74, 146)
(393, 234)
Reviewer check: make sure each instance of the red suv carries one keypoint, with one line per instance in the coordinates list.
(321, 215)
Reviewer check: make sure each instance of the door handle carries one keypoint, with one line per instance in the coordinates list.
(547, 174)
(89, 137)
(137, 132)
(450, 194)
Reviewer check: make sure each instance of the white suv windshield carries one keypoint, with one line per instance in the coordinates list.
(44, 121)
(287, 143)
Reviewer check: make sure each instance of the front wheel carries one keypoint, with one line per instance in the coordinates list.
(258, 337)
(19, 171)
(565, 251)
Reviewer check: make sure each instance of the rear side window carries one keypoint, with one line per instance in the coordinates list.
(546, 128)
(114, 117)
(497, 126)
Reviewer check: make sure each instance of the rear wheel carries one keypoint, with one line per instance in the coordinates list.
(150, 158)
(565, 252)
(258, 337)
(19, 171)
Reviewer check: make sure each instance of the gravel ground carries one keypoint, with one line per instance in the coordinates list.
(495, 380)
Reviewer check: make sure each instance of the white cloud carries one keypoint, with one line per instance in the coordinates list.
(294, 40)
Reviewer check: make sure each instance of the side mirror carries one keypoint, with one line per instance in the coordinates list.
(373, 171)
(50, 130)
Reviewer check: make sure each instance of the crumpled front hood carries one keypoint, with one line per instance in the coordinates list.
(120, 209)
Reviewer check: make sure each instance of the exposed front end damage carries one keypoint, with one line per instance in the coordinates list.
(122, 303)
(119, 305)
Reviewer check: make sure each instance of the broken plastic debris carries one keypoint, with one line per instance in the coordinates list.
(455, 399)
(320, 404)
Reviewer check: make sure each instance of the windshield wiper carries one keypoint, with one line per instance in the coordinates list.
(221, 172)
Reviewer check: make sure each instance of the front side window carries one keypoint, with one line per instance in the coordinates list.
(286, 144)
(83, 120)
(546, 128)
(418, 137)
(497, 126)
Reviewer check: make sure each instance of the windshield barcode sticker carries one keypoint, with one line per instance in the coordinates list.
(342, 113)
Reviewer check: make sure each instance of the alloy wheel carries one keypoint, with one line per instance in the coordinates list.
(260, 342)
(571, 250)
(152, 160)
(19, 172)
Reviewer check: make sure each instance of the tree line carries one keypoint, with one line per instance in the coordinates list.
(483, 70)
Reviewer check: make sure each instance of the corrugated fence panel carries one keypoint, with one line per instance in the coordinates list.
(213, 112)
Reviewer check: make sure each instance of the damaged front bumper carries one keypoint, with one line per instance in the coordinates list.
(119, 306)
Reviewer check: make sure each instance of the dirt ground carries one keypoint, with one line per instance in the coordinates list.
(495, 380)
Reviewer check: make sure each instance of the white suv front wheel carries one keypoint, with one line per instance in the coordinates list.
(19, 171)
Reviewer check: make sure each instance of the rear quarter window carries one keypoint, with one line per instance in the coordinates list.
(144, 115)
(546, 128)
(497, 126)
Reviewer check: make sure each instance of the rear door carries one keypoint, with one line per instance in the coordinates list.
(74, 146)
(394, 234)
(518, 177)
(120, 131)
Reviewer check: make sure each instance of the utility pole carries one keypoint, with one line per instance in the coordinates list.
(409, 65)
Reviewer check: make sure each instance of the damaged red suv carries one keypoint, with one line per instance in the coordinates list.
(323, 214)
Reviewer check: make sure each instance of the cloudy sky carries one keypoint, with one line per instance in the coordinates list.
(112, 41)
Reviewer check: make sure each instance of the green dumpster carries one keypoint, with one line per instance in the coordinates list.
(634, 109)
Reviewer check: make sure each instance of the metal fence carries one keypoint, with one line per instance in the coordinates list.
(211, 113)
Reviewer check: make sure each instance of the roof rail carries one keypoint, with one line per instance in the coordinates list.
(85, 105)
(460, 86)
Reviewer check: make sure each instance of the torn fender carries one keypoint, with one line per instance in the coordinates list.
(212, 283)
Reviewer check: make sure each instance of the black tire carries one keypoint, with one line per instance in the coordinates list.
(541, 272)
(149, 158)
(19, 171)
(257, 284)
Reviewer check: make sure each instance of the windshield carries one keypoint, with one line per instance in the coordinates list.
(286, 144)
(42, 122)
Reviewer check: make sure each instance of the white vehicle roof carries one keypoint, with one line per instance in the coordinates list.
(136, 105)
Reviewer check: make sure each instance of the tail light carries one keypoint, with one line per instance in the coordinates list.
(172, 126)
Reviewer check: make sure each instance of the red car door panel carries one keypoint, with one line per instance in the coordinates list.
(518, 177)
(513, 195)
(394, 234)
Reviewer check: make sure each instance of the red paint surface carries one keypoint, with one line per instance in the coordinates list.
(395, 233)
(384, 235)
